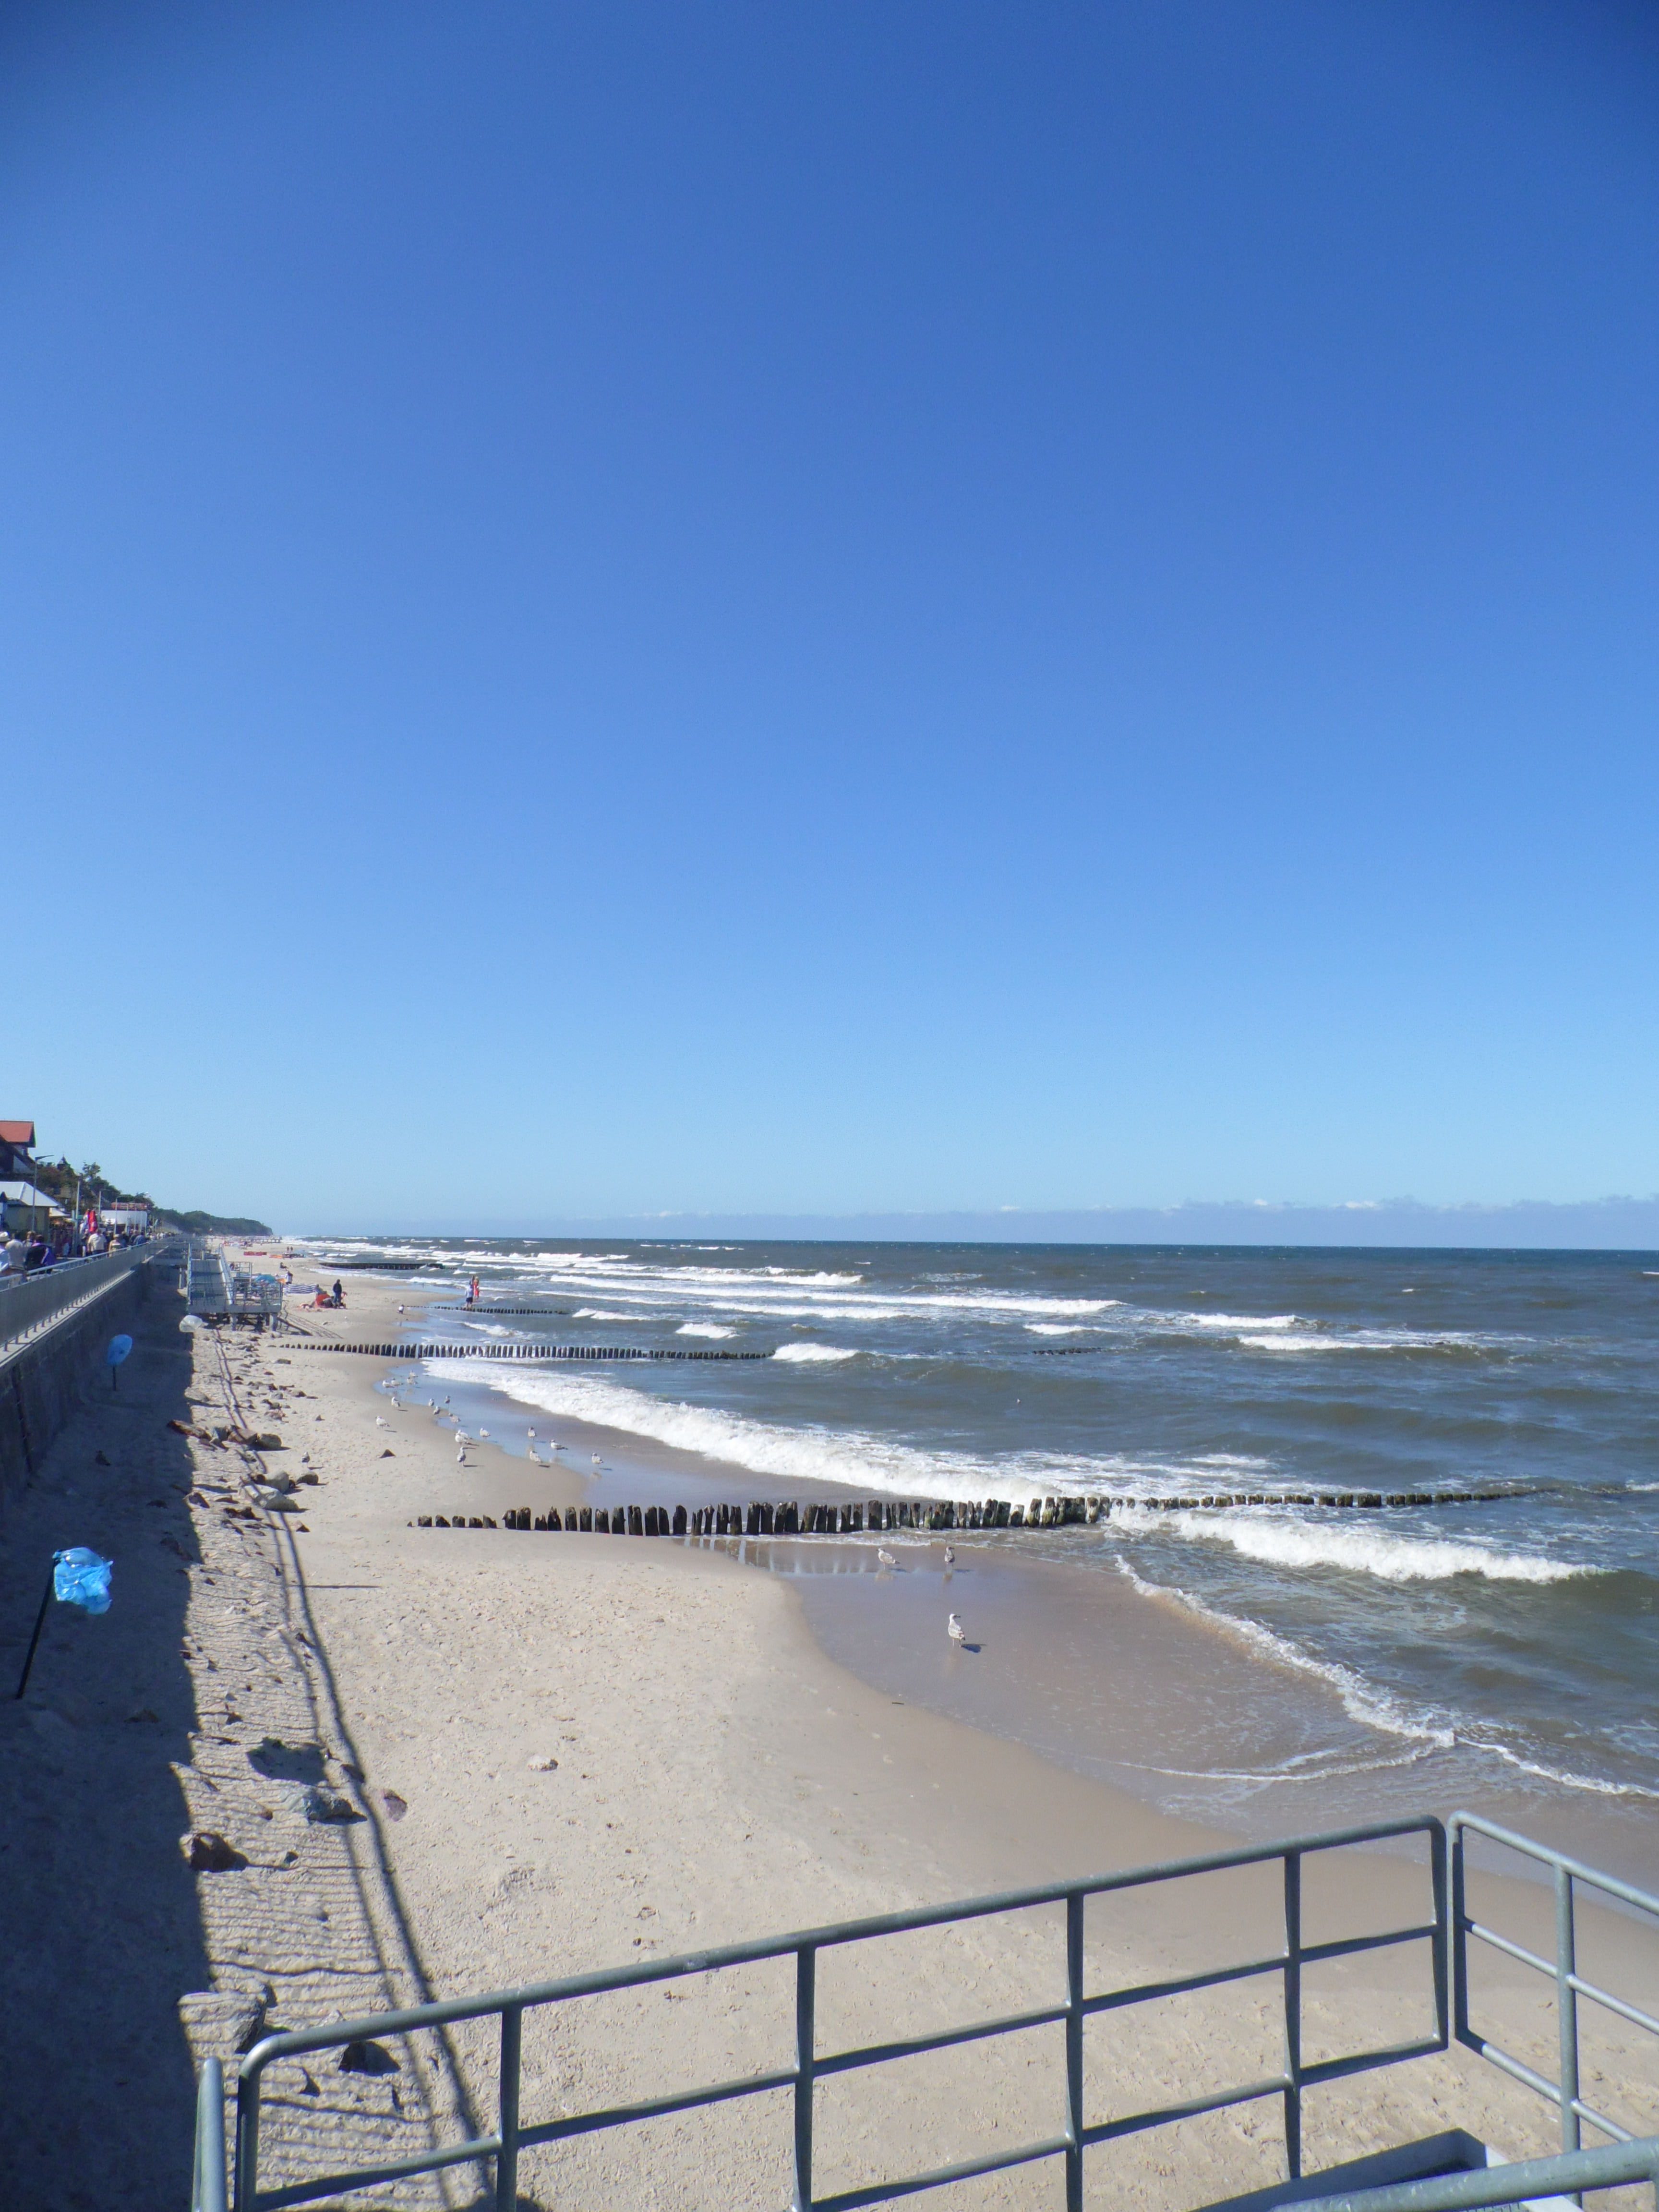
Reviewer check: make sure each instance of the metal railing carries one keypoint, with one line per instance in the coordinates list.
(207, 2182)
(811, 2066)
(1569, 1985)
(29, 1303)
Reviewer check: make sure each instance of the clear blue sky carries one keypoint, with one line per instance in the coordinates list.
(812, 607)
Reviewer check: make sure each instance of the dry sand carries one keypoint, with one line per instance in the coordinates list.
(716, 1778)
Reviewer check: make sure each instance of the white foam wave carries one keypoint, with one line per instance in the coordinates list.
(703, 1329)
(1369, 1340)
(1235, 1321)
(1371, 1708)
(1282, 1541)
(805, 1354)
(594, 1313)
(1062, 1328)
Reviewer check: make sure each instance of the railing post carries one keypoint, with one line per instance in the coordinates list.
(248, 2140)
(208, 2186)
(1460, 1934)
(506, 2159)
(1293, 2016)
(1566, 2006)
(806, 2049)
(1442, 1934)
(1074, 1907)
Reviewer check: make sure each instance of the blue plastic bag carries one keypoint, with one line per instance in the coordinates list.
(80, 1577)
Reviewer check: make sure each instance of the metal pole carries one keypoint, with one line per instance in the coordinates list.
(1074, 2052)
(1442, 1936)
(39, 1623)
(506, 2159)
(209, 2192)
(1293, 2016)
(1566, 2006)
(805, 2037)
(1460, 1934)
(247, 2141)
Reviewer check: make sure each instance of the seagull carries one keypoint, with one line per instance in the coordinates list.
(483, 1432)
(886, 1558)
(596, 1459)
(530, 1432)
(950, 1557)
(955, 1631)
(379, 1423)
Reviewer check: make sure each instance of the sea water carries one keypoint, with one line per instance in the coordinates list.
(1506, 1651)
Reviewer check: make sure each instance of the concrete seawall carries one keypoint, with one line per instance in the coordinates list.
(45, 1375)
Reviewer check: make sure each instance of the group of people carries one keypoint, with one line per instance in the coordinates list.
(334, 1298)
(28, 1256)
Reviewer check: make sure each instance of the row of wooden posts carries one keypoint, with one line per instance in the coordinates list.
(789, 1518)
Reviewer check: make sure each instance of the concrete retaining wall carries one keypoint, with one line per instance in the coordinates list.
(43, 1379)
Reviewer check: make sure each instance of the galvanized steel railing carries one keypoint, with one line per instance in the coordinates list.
(32, 1303)
(513, 2134)
(1563, 1970)
(1448, 1934)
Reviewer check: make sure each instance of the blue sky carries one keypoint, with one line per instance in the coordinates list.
(819, 609)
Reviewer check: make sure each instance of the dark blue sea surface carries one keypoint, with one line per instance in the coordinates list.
(1517, 1638)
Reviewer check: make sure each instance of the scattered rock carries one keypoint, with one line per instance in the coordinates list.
(308, 2087)
(321, 1805)
(286, 1762)
(396, 1807)
(101, 1459)
(207, 1852)
(310, 1476)
(144, 1713)
(367, 2058)
(543, 1765)
(388, 1455)
(171, 1544)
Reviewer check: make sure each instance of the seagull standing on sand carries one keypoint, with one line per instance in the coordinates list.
(596, 1462)
(955, 1631)
(886, 1558)
(950, 1557)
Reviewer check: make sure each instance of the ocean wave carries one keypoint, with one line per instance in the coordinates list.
(1371, 1339)
(595, 1312)
(1361, 1701)
(1063, 1329)
(1233, 1321)
(1365, 1704)
(1278, 1541)
(703, 1329)
(807, 1353)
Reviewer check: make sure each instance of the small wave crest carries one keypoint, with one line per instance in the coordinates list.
(703, 1329)
(812, 1354)
(1282, 1541)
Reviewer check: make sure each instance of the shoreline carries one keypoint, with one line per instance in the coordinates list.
(1319, 1753)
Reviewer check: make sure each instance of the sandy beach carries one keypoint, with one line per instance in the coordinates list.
(569, 1753)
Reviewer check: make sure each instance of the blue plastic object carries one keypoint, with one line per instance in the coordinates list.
(118, 1348)
(80, 1577)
